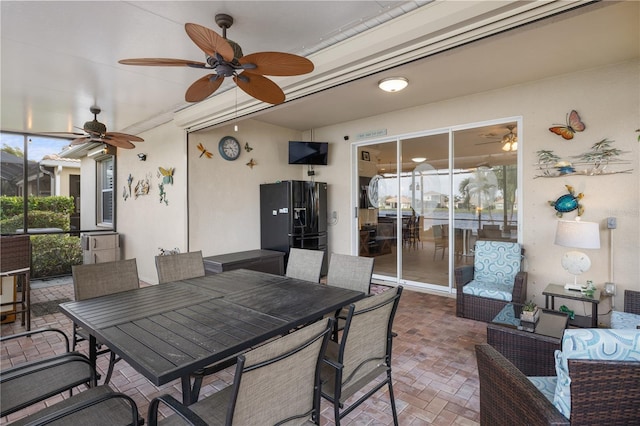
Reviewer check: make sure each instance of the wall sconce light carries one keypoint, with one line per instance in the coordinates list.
(142, 157)
(393, 84)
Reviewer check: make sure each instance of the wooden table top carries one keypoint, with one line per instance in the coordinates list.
(170, 330)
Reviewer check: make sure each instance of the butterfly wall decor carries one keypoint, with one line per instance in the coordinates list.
(574, 124)
(251, 163)
(203, 151)
(167, 175)
(247, 147)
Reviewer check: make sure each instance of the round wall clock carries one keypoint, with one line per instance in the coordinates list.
(229, 148)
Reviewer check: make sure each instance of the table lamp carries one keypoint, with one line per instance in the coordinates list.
(577, 234)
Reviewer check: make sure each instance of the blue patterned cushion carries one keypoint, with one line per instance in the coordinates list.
(624, 320)
(496, 262)
(491, 290)
(591, 343)
(546, 385)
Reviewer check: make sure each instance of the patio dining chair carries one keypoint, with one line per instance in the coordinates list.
(31, 382)
(305, 264)
(274, 384)
(362, 354)
(101, 279)
(180, 266)
(350, 272)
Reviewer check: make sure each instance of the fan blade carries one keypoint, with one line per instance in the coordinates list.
(62, 133)
(260, 88)
(162, 62)
(277, 63)
(118, 142)
(80, 141)
(124, 136)
(209, 41)
(203, 88)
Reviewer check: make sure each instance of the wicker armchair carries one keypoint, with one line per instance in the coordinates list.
(481, 307)
(602, 392)
(632, 302)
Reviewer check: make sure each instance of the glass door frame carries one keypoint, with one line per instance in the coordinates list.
(397, 139)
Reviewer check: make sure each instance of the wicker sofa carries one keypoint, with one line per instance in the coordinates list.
(630, 318)
(599, 391)
(494, 261)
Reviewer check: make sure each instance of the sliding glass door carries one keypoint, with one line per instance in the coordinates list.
(425, 199)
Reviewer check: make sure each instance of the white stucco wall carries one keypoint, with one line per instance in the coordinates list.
(145, 223)
(224, 195)
(223, 198)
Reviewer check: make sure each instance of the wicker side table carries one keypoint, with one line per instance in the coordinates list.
(530, 352)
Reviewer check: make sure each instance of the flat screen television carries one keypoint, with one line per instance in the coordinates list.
(313, 153)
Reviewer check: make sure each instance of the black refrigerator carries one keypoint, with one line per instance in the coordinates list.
(293, 213)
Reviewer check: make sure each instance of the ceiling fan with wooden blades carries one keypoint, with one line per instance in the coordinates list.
(225, 58)
(95, 131)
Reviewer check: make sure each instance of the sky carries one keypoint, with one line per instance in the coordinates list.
(39, 146)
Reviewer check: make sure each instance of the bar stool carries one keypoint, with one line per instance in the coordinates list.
(15, 261)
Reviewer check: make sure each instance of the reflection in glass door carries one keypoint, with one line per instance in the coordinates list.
(425, 200)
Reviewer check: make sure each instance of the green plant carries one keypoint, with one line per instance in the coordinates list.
(12, 206)
(530, 306)
(53, 255)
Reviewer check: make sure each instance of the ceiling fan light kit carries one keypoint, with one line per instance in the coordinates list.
(393, 84)
(510, 140)
(225, 58)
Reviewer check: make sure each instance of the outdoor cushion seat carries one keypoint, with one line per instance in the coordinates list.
(597, 383)
(622, 320)
(494, 280)
(499, 291)
(630, 318)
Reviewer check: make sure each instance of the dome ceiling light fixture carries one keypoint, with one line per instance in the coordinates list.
(419, 159)
(393, 84)
(510, 140)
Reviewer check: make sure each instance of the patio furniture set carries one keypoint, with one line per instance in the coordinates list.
(543, 372)
(270, 326)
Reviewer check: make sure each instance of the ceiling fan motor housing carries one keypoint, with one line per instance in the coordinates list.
(95, 126)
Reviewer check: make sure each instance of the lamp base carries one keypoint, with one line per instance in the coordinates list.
(574, 287)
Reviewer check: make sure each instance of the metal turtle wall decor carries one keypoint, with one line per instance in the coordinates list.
(568, 202)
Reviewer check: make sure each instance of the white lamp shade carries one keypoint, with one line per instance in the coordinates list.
(578, 234)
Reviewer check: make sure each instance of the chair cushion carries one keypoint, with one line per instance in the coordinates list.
(591, 343)
(546, 385)
(491, 290)
(621, 320)
(496, 262)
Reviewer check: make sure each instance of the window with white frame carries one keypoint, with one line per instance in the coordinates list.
(105, 175)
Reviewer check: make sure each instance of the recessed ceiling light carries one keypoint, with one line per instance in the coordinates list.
(418, 159)
(393, 84)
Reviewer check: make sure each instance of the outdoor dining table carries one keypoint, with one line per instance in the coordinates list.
(171, 330)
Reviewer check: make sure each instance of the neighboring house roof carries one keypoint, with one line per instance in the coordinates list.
(11, 167)
(57, 160)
